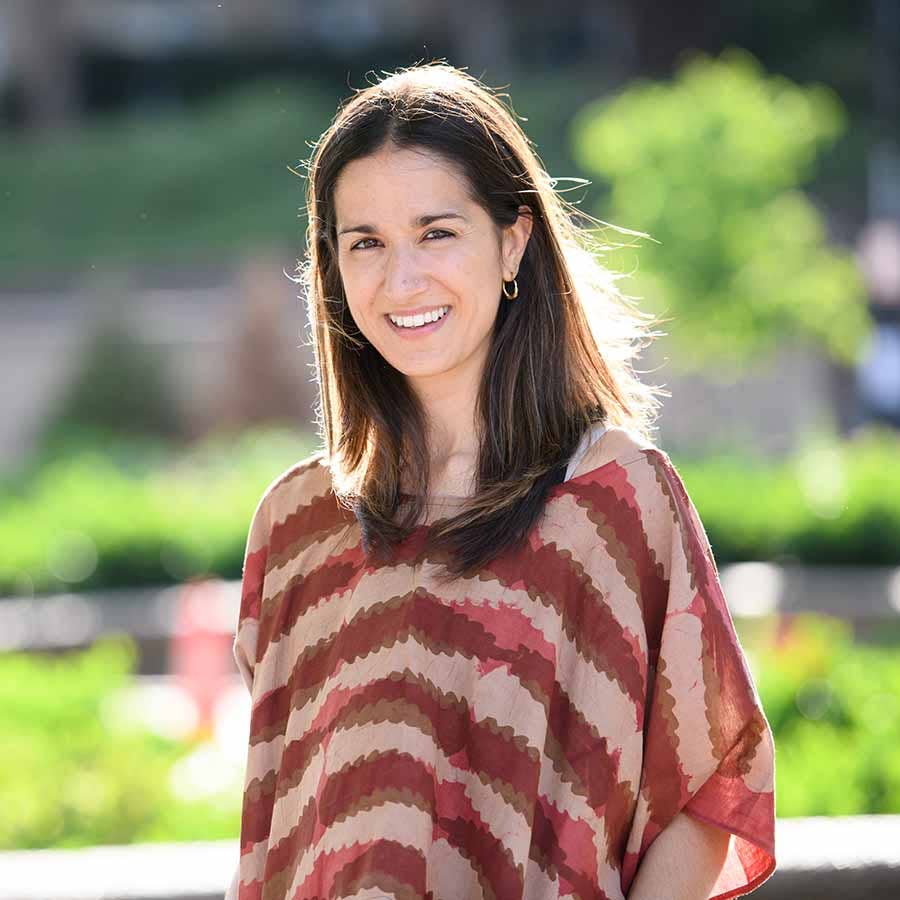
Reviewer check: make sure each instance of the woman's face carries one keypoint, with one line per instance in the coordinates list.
(411, 241)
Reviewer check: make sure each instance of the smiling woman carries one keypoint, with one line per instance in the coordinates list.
(482, 627)
(408, 269)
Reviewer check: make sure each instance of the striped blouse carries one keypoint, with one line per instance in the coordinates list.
(521, 735)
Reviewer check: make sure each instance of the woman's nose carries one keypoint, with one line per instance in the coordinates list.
(404, 277)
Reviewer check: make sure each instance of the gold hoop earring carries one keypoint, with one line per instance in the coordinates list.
(515, 291)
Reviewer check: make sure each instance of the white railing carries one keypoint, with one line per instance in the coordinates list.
(851, 858)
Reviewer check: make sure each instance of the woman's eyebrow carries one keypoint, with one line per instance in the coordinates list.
(420, 222)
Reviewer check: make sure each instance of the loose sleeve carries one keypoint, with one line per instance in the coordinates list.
(708, 747)
(254, 569)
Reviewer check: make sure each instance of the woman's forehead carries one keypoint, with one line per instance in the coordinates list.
(402, 190)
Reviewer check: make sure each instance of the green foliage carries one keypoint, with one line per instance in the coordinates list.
(709, 166)
(121, 384)
(834, 503)
(170, 188)
(114, 518)
(72, 778)
(834, 708)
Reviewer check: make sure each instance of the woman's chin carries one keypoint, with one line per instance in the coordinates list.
(419, 372)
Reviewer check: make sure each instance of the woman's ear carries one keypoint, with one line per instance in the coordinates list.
(515, 239)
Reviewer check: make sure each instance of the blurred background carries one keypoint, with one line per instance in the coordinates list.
(156, 374)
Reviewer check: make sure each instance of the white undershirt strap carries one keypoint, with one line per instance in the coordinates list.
(587, 439)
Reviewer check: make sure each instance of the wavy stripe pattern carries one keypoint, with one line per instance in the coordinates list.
(522, 735)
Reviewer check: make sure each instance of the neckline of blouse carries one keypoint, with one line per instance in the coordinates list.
(452, 500)
(459, 499)
(591, 437)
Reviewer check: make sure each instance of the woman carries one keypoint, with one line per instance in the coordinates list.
(483, 632)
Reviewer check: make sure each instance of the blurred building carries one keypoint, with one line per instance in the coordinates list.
(61, 57)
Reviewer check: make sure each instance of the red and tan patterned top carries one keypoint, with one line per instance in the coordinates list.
(523, 735)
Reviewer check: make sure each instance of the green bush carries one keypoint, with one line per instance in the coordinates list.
(71, 779)
(126, 517)
(833, 502)
(119, 384)
(709, 165)
(834, 708)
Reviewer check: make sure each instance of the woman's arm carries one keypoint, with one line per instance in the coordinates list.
(682, 863)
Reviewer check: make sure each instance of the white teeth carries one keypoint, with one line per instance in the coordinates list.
(420, 319)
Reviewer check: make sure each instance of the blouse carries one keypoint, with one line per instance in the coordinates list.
(523, 734)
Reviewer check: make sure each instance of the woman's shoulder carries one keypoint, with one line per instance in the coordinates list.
(613, 443)
(300, 485)
(645, 477)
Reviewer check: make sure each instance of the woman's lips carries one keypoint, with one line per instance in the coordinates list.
(422, 330)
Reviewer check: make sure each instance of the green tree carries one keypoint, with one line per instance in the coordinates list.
(708, 166)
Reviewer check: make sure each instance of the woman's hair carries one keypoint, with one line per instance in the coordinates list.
(561, 353)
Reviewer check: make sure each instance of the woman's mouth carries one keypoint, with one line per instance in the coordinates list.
(413, 330)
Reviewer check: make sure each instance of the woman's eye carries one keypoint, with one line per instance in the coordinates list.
(439, 231)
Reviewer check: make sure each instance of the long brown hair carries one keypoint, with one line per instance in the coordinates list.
(561, 353)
